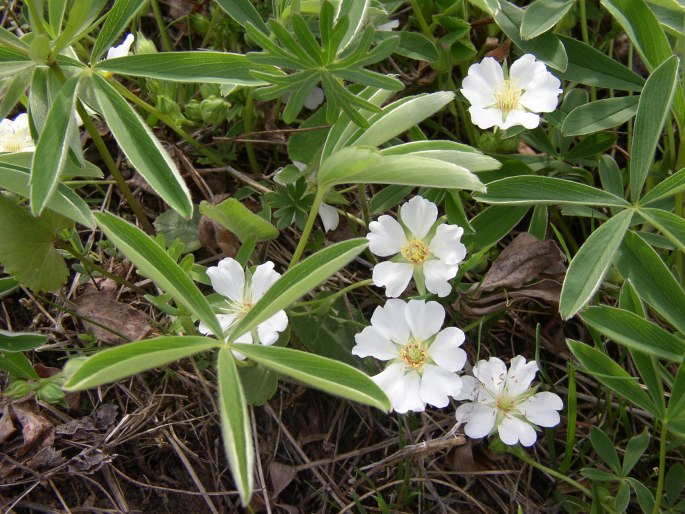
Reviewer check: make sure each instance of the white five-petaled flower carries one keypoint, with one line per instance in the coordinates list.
(514, 100)
(15, 135)
(242, 290)
(423, 360)
(122, 50)
(422, 246)
(502, 400)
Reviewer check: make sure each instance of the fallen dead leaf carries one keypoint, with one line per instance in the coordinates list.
(280, 476)
(7, 427)
(81, 429)
(36, 431)
(89, 461)
(121, 318)
(213, 235)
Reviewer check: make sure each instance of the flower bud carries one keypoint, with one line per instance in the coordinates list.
(144, 46)
(214, 110)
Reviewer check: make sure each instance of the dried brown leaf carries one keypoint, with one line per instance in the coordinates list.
(103, 308)
(7, 428)
(36, 431)
(280, 476)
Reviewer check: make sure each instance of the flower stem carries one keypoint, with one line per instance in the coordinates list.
(365, 204)
(421, 19)
(248, 120)
(662, 470)
(166, 42)
(518, 452)
(307, 228)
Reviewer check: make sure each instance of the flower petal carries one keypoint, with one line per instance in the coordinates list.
(372, 342)
(263, 278)
(517, 117)
(470, 388)
(425, 318)
(437, 385)
(445, 350)
(526, 69)
(479, 418)
(269, 330)
(512, 430)
(489, 70)
(520, 375)
(228, 279)
(329, 217)
(225, 320)
(410, 399)
(478, 92)
(492, 373)
(437, 274)
(541, 409)
(446, 244)
(542, 95)
(486, 118)
(419, 215)
(314, 98)
(386, 236)
(394, 276)
(391, 321)
(122, 50)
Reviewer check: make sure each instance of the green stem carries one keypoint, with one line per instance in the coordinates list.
(307, 228)
(248, 121)
(37, 26)
(365, 204)
(662, 470)
(586, 38)
(166, 42)
(114, 169)
(518, 452)
(421, 19)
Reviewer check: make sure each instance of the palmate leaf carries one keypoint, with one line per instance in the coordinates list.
(27, 249)
(118, 18)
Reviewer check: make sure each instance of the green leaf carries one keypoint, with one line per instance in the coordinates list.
(234, 216)
(13, 342)
(634, 450)
(355, 165)
(196, 67)
(244, 13)
(669, 224)
(667, 187)
(12, 91)
(588, 267)
(634, 332)
(611, 375)
(298, 281)
(448, 151)
(542, 15)
(545, 47)
(7, 286)
(235, 425)
(638, 262)
(400, 116)
(171, 225)
(412, 45)
(130, 359)
(591, 67)
(600, 115)
(56, 9)
(605, 449)
(676, 404)
(534, 190)
(118, 18)
(322, 373)
(78, 24)
(17, 364)
(53, 146)
(153, 262)
(259, 384)
(652, 111)
(492, 224)
(27, 247)
(10, 41)
(356, 13)
(142, 148)
(643, 29)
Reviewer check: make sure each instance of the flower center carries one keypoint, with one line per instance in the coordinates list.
(507, 96)
(13, 144)
(414, 354)
(415, 251)
(242, 309)
(505, 404)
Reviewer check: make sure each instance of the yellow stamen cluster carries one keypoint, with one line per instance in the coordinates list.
(505, 404)
(12, 145)
(508, 96)
(414, 354)
(415, 251)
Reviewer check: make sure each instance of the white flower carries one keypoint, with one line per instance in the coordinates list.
(122, 50)
(314, 98)
(242, 290)
(15, 135)
(515, 100)
(503, 400)
(388, 25)
(430, 251)
(422, 358)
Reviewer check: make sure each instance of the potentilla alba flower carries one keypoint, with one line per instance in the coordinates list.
(242, 290)
(122, 50)
(423, 247)
(422, 359)
(514, 100)
(15, 135)
(503, 400)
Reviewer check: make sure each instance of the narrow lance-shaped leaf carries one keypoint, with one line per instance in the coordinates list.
(152, 261)
(669, 224)
(587, 269)
(13, 342)
(667, 187)
(652, 112)
(78, 24)
(634, 332)
(613, 376)
(53, 146)
(118, 18)
(326, 374)
(532, 190)
(638, 262)
(298, 281)
(142, 148)
(130, 359)
(600, 115)
(542, 15)
(235, 425)
(244, 13)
